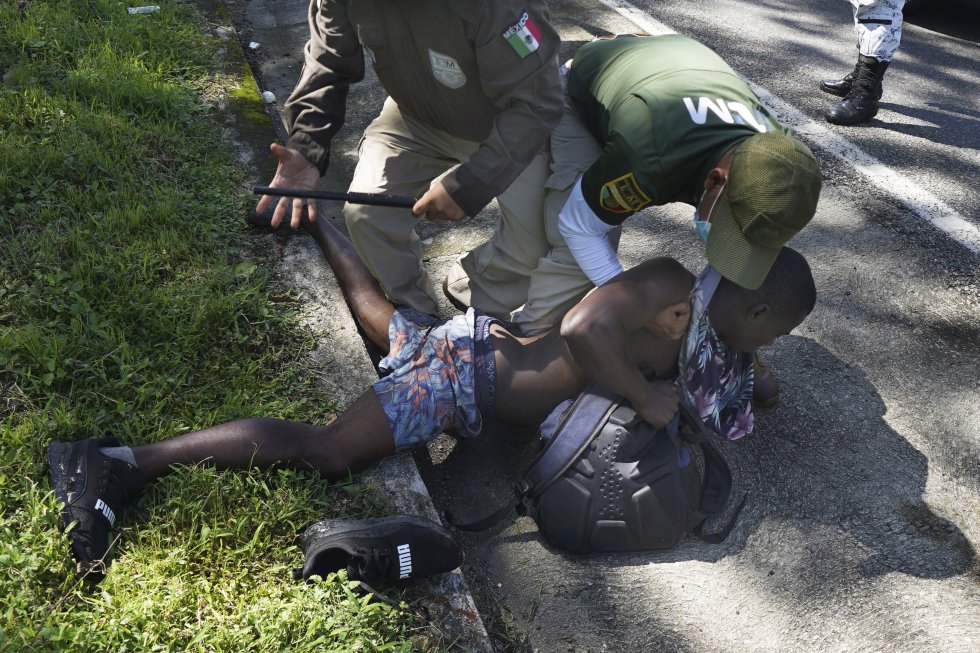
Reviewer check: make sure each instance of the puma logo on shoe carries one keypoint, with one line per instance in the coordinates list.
(404, 561)
(106, 511)
(380, 550)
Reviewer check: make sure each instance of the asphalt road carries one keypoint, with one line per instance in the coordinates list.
(862, 522)
(863, 515)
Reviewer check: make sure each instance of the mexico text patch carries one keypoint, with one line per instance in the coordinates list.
(524, 36)
(622, 195)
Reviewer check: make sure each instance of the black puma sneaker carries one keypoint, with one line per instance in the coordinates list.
(94, 489)
(378, 551)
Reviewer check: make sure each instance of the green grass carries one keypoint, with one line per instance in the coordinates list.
(127, 306)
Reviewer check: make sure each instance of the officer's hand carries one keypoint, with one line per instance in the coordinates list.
(436, 204)
(659, 405)
(672, 322)
(294, 171)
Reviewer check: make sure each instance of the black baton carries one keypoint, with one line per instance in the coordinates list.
(353, 198)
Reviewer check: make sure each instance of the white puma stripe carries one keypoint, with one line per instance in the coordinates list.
(106, 511)
(404, 561)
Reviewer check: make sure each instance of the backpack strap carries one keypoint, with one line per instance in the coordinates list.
(716, 486)
(720, 536)
(698, 432)
(579, 427)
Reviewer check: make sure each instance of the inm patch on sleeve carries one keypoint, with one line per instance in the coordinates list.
(622, 195)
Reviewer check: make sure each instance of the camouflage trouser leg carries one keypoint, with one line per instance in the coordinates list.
(879, 27)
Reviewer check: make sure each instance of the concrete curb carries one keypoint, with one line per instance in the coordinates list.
(340, 362)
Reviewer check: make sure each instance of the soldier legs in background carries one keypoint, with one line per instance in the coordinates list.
(879, 30)
(529, 244)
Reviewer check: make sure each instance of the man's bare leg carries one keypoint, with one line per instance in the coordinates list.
(361, 435)
(371, 308)
(97, 479)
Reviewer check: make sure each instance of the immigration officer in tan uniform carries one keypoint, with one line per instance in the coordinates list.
(473, 94)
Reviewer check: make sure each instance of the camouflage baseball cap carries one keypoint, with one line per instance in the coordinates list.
(771, 193)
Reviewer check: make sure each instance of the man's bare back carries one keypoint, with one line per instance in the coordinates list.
(535, 374)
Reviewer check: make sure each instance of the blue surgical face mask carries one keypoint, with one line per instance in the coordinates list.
(703, 227)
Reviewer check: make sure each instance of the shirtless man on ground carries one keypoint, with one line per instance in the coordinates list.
(445, 375)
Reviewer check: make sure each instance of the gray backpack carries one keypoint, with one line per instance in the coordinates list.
(607, 481)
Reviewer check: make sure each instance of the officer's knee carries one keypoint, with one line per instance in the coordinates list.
(354, 216)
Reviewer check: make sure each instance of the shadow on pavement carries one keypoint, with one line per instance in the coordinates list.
(949, 125)
(850, 471)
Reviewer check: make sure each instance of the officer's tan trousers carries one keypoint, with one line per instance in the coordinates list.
(400, 156)
(556, 282)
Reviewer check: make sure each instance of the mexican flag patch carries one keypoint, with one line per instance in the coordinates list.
(524, 36)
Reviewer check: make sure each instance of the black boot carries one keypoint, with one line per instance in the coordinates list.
(861, 102)
(840, 87)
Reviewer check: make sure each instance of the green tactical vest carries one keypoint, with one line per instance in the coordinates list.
(665, 109)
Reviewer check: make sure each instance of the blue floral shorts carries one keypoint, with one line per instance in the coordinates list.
(439, 376)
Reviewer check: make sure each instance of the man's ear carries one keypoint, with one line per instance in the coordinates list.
(758, 312)
(716, 177)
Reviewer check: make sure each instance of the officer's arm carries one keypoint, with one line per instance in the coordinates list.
(525, 88)
(333, 60)
(587, 238)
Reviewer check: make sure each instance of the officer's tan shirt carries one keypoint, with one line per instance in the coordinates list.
(480, 70)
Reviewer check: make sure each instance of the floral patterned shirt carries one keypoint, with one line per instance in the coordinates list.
(714, 379)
